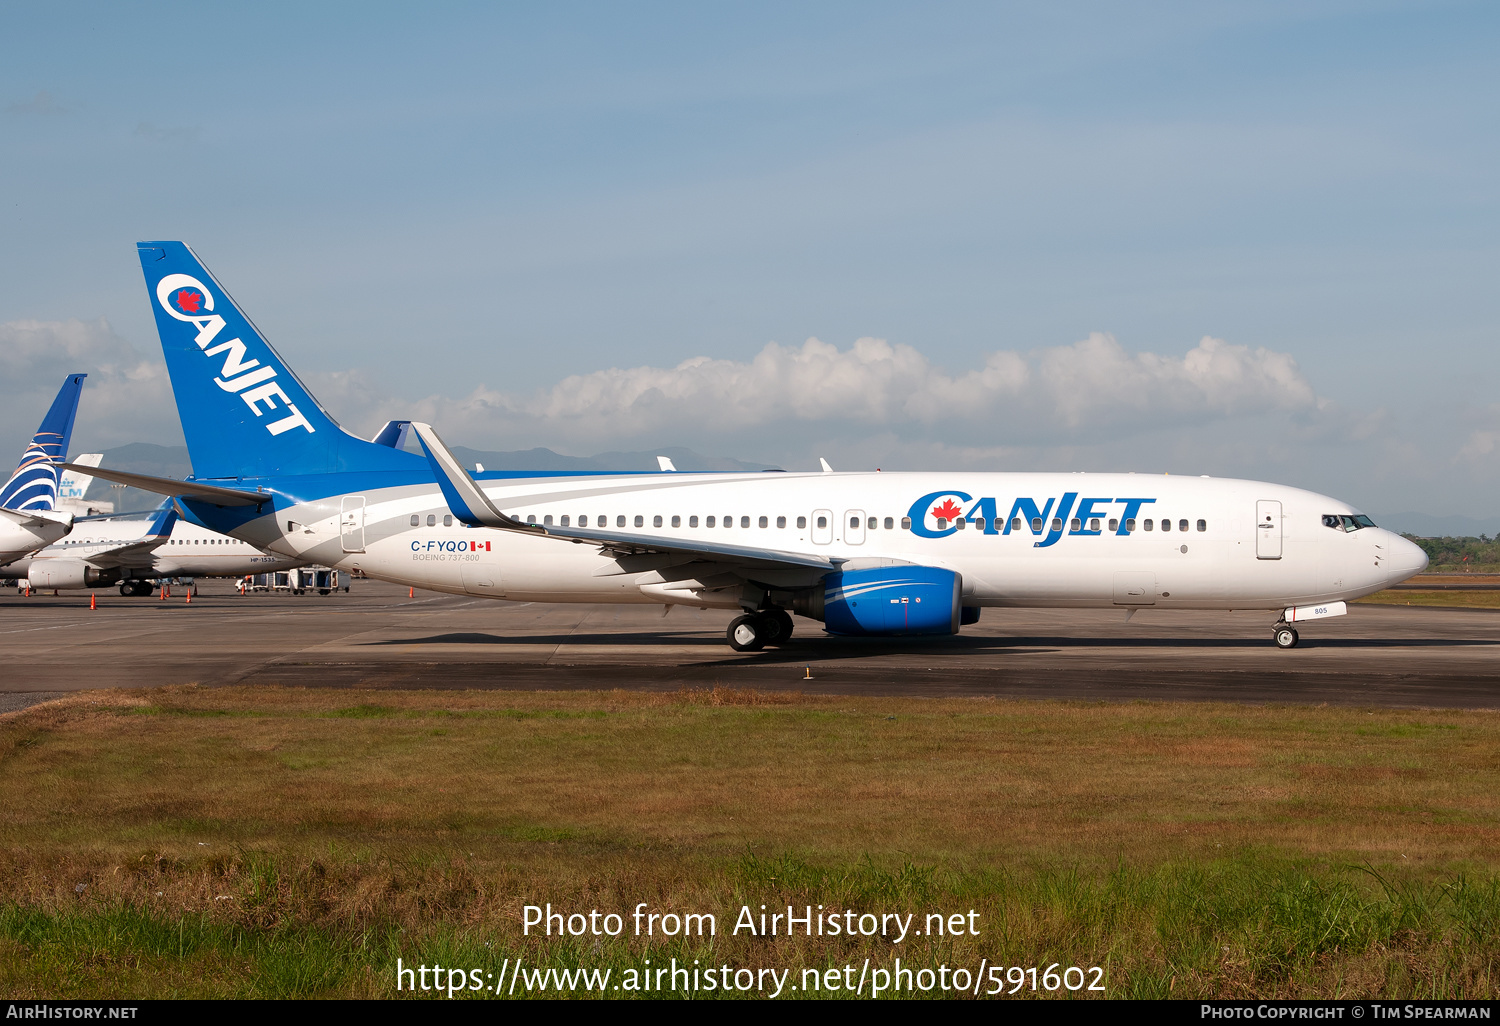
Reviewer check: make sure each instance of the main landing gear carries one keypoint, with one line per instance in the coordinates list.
(1285, 635)
(754, 631)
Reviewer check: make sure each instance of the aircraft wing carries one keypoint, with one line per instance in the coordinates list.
(471, 506)
(36, 517)
(142, 551)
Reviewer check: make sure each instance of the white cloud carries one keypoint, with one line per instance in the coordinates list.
(126, 398)
(1087, 391)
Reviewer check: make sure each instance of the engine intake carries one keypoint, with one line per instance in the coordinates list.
(66, 573)
(892, 600)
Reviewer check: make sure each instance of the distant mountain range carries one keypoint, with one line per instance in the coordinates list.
(1424, 525)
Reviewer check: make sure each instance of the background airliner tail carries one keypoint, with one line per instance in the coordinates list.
(244, 412)
(34, 484)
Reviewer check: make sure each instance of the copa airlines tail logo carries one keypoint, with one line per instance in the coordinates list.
(940, 514)
(34, 484)
(188, 299)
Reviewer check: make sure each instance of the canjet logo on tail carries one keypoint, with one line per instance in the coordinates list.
(188, 299)
(938, 515)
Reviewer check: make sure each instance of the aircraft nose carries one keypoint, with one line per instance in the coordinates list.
(1406, 558)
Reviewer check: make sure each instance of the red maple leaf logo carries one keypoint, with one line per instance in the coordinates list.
(947, 511)
(188, 300)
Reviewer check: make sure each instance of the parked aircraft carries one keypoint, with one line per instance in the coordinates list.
(29, 514)
(134, 550)
(864, 553)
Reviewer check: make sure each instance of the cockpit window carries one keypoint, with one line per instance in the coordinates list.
(1364, 521)
(1346, 522)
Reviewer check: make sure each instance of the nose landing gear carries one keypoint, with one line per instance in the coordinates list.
(1285, 636)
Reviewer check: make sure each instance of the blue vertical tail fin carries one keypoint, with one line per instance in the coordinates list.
(34, 484)
(244, 412)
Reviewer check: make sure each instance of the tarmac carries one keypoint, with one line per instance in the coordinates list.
(377, 637)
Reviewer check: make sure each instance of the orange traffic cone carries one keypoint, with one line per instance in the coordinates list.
(411, 592)
(92, 604)
(190, 598)
(163, 593)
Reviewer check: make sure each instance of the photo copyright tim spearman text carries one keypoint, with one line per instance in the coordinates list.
(865, 978)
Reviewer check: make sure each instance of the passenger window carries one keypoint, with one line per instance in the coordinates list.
(416, 520)
(822, 522)
(676, 521)
(873, 523)
(1203, 525)
(729, 521)
(1114, 524)
(906, 523)
(745, 522)
(1077, 525)
(979, 523)
(448, 521)
(1148, 525)
(693, 522)
(890, 523)
(583, 521)
(1036, 524)
(565, 520)
(801, 523)
(1130, 524)
(960, 523)
(1166, 525)
(942, 523)
(619, 521)
(781, 521)
(656, 521)
(710, 521)
(1094, 524)
(640, 521)
(764, 522)
(1182, 525)
(854, 521)
(1057, 523)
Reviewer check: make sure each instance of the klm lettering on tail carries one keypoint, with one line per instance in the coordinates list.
(187, 299)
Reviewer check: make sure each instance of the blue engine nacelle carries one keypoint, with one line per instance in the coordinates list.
(893, 600)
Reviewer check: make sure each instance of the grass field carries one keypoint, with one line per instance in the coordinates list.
(277, 843)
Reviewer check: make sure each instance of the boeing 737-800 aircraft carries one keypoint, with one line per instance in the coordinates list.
(135, 549)
(865, 553)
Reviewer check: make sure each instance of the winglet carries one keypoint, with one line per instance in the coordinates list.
(826, 468)
(665, 464)
(465, 498)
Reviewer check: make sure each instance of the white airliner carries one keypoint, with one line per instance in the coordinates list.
(135, 549)
(29, 513)
(864, 553)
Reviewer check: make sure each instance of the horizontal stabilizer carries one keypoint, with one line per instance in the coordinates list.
(36, 517)
(465, 498)
(180, 489)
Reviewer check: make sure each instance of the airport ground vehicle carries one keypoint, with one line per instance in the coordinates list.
(324, 580)
(863, 553)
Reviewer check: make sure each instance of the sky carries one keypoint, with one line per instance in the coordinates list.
(1240, 239)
